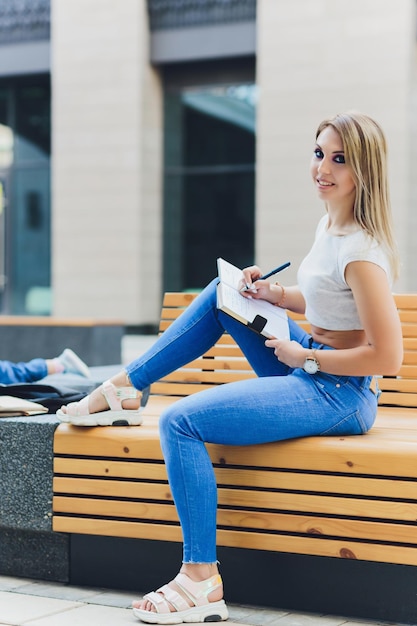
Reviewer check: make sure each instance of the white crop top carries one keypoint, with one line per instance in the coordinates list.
(321, 276)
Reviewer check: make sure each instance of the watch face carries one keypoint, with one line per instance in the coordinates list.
(311, 366)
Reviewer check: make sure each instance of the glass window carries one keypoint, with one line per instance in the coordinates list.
(33, 137)
(25, 139)
(209, 190)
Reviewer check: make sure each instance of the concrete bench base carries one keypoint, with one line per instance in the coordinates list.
(38, 555)
(28, 547)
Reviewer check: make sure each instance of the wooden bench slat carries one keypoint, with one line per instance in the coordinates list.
(213, 377)
(408, 316)
(108, 441)
(328, 526)
(179, 389)
(403, 385)
(253, 520)
(242, 477)
(409, 358)
(246, 498)
(409, 330)
(220, 350)
(219, 364)
(408, 371)
(114, 528)
(329, 505)
(397, 399)
(109, 468)
(404, 418)
(319, 547)
(115, 508)
(178, 298)
(278, 543)
(410, 344)
(111, 488)
(374, 454)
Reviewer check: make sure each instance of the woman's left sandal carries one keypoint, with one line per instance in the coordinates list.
(200, 611)
(78, 413)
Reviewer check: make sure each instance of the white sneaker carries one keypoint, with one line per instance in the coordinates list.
(73, 364)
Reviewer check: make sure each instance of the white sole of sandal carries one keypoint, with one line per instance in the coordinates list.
(207, 613)
(103, 418)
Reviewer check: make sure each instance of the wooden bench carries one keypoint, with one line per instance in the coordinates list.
(324, 499)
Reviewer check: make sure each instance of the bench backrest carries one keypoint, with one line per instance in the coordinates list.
(225, 362)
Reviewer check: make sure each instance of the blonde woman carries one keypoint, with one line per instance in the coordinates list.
(317, 383)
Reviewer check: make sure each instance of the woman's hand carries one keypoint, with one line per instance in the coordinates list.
(251, 287)
(250, 275)
(289, 352)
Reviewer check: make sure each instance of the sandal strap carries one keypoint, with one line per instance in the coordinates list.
(114, 395)
(174, 598)
(198, 592)
(158, 601)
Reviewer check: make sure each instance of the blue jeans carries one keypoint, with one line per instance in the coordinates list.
(282, 403)
(22, 372)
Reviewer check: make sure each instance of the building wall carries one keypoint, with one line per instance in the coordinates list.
(107, 141)
(315, 59)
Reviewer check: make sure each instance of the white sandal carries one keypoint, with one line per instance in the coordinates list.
(201, 610)
(78, 413)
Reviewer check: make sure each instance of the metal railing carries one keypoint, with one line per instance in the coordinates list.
(24, 20)
(171, 14)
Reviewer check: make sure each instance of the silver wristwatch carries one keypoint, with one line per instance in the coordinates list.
(311, 365)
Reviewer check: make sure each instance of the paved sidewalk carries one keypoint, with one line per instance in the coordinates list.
(26, 602)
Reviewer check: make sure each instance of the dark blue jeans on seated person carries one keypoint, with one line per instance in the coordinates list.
(22, 372)
(282, 403)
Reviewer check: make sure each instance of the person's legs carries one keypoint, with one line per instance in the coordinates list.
(193, 333)
(249, 412)
(22, 372)
(244, 413)
(197, 329)
(36, 369)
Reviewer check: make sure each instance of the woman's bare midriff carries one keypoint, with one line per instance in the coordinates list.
(339, 339)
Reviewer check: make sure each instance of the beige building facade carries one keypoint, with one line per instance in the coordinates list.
(313, 58)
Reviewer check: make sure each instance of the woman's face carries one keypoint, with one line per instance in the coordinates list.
(332, 177)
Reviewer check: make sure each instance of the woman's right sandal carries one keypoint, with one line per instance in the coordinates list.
(200, 611)
(78, 413)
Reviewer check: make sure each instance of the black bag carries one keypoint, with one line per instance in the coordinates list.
(50, 396)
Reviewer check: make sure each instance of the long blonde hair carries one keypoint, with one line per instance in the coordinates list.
(365, 149)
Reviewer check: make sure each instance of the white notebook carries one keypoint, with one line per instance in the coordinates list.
(261, 316)
(11, 406)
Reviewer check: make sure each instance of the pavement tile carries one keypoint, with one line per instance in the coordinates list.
(310, 619)
(17, 609)
(59, 591)
(88, 615)
(361, 622)
(25, 602)
(251, 616)
(119, 599)
(7, 583)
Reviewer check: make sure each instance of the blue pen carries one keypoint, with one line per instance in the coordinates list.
(269, 274)
(275, 271)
